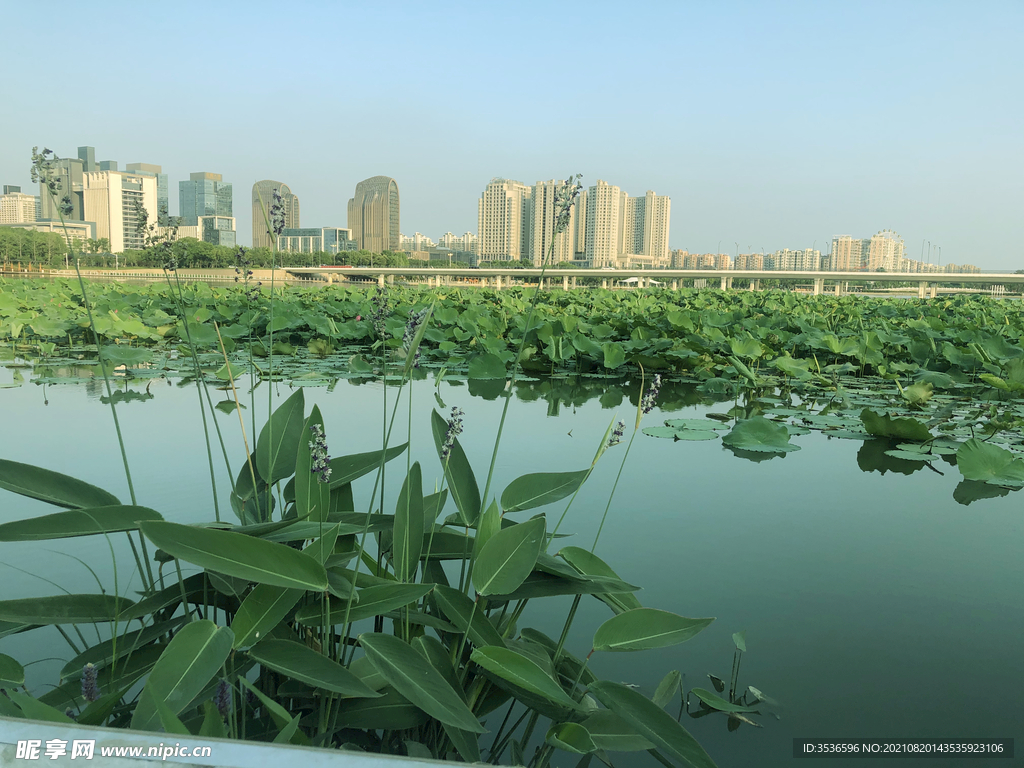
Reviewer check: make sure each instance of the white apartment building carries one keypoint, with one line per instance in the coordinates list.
(807, 260)
(604, 224)
(504, 228)
(17, 207)
(418, 242)
(546, 245)
(455, 243)
(623, 230)
(111, 199)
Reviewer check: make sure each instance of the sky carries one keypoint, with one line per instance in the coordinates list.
(769, 124)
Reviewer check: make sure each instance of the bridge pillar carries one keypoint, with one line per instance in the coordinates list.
(380, 280)
(724, 282)
(839, 288)
(330, 278)
(497, 282)
(819, 285)
(675, 285)
(565, 282)
(574, 281)
(935, 291)
(604, 284)
(922, 289)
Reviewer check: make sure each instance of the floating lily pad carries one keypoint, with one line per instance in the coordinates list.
(758, 434)
(989, 463)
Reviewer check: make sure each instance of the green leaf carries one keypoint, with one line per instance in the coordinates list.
(391, 712)
(127, 356)
(312, 496)
(739, 639)
(571, 737)
(187, 664)
(590, 564)
(508, 557)
(988, 463)
(64, 609)
(760, 435)
(229, 372)
(458, 607)
(459, 472)
(345, 469)
(644, 628)
(882, 425)
(262, 610)
(278, 443)
(302, 663)
(52, 487)
(373, 601)
(408, 542)
(667, 688)
(717, 702)
(541, 488)
(523, 673)
(236, 554)
(102, 654)
(747, 346)
(652, 722)
(169, 721)
(34, 709)
(77, 522)
(918, 394)
(487, 366)
(614, 356)
(414, 677)
(12, 674)
(610, 732)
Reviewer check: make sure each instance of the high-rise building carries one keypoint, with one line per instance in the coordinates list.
(886, 252)
(204, 194)
(546, 246)
(623, 230)
(849, 254)
(16, 207)
(646, 225)
(807, 260)
(605, 213)
(373, 214)
(205, 201)
(883, 251)
(262, 199)
(504, 221)
(453, 242)
(580, 229)
(163, 202)
(114, 200)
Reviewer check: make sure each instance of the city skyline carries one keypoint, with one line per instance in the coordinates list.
(756, 120)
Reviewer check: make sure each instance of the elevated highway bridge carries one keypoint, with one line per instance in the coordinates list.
(928, 285)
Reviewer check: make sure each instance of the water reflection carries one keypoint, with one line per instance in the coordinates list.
(561, 393)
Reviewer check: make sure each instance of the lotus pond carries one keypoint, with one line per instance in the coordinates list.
(837, 478)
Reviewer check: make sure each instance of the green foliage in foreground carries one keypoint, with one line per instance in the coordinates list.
(283, 634)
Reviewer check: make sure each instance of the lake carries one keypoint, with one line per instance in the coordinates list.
(874, 605)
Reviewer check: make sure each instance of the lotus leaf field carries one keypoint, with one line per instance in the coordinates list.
(935, 381)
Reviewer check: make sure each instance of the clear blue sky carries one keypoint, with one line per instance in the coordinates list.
(770, 124)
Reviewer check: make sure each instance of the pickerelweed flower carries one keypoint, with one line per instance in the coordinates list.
(453, 431)
(565, 198)
(44, 171)
(222, 698)
(277, 213)
(616, 436)
(651, 396)
(320, 462)
(90, 688)
(381, 312)
(415, 321)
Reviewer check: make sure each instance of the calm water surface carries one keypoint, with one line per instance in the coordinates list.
(874, 605)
